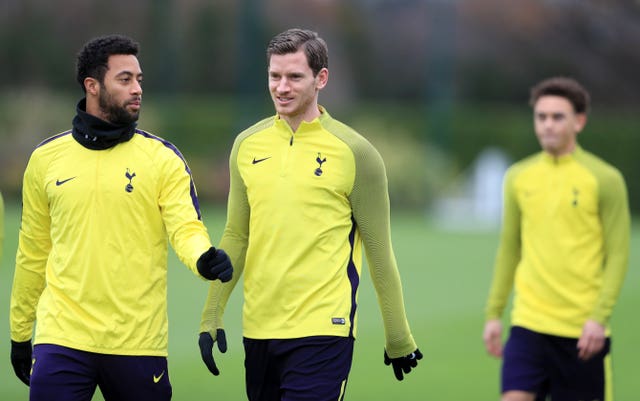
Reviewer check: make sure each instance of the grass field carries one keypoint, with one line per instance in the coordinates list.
(446, 277)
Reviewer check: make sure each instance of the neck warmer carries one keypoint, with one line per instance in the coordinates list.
(97, 134)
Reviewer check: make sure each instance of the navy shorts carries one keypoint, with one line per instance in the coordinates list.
(65, 374)
(549, 366)
(299, 369)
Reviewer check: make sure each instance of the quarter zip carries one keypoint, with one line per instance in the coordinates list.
(287, 158)
(286, 151)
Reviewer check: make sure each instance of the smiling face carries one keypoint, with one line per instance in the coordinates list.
(293, 87)
(118, 98)
(557, 124)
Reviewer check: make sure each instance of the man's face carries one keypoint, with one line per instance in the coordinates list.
(557, 124)
(293, 88)
(120, 94)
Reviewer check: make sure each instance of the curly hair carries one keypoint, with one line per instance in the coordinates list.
(567, 88)
(289, 41)
(93, 58)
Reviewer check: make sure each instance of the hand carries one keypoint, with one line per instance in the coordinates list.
(492, 337)
(592, 340)
(404, 363)
(215, 264)
(21, 360)
(206, 348)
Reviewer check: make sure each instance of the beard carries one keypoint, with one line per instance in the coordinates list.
(116, 114)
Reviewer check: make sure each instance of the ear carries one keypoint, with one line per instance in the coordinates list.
(322, 78)
(92, 86)
(581, 121)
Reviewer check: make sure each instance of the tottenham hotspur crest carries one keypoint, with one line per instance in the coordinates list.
(129, 187)
(320, 160)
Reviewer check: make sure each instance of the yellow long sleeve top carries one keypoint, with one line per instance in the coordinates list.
(564, 245)
(91, 265)
(300, 207)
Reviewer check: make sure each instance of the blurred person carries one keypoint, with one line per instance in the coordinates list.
(306, 193)
(564, 248)
(100, 203)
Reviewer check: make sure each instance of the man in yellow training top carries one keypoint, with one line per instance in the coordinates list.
(564, 248)
(306, 192)
(101, 202)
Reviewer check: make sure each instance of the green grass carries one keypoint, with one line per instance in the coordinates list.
(445, 276)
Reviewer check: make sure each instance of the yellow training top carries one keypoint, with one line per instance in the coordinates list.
(300, 207)
(565, 242)
(92, 253)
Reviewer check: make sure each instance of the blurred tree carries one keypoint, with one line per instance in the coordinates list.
(209, 50)
(439, 71)
(163, 52)
(455, 73)
(250, 80)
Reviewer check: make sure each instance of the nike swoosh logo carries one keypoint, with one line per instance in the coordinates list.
(256, 161)
(58, 182)
(157, 378)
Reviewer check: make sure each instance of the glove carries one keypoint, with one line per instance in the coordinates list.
(404, 363)
(206, 348)
(215, 264)
(21, 360)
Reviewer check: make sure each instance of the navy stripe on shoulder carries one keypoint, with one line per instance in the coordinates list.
(194, 196)
(53, 138)
(167, 144)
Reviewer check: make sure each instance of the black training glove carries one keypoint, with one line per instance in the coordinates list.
(21, 360)
(404, 363)
(215, 264)
(206, 348)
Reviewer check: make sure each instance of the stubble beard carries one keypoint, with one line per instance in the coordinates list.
(115, 114)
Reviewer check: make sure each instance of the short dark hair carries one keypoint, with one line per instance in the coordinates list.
(291, 40)
(565, 87)
(93, 58)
